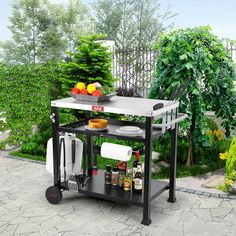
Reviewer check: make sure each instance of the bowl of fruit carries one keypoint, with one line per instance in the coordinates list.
(93, 92)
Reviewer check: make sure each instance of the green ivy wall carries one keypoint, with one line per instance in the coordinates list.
(25, 95)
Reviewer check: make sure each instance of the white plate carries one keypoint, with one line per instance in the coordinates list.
(140, 133)
(130, 129)
(95, 129)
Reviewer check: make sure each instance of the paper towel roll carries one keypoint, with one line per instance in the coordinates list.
(116, 151)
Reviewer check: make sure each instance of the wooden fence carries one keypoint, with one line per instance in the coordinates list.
(135, 68)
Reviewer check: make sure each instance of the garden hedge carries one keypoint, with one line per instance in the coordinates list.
(25, 95)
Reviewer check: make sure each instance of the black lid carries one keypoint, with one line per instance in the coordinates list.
(108, 167)
(114, 168)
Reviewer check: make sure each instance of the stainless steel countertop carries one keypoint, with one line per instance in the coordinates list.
(120, 105)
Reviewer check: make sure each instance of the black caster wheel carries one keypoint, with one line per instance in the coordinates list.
(53, 194)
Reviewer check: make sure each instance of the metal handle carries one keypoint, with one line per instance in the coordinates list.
(62, 145)
(180, 118)
(73, 151)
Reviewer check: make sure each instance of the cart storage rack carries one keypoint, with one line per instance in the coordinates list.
(152, 110)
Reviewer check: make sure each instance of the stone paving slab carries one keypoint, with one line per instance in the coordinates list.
(24, 210)
(196, 182)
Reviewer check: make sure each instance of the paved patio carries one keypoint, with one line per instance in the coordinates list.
(25, 211)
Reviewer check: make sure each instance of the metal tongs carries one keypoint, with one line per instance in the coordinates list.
(77, 180)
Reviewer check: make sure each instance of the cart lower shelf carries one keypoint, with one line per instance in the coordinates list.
(95, 187)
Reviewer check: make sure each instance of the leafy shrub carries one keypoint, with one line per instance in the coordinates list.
(28, 148)
(210, 124)
(91, 62)
(231, 159)
(230, 167)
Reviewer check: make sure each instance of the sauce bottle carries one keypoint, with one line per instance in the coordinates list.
(108, 174)
(138, 182)
(134, 166)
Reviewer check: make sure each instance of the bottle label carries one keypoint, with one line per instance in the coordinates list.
(107, 178)
(134, 171)
(127, 184)
(115, 179)
(138, 184)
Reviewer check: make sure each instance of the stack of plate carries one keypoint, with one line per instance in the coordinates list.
(130, 131)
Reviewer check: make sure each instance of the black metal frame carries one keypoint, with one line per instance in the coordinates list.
(143, 200)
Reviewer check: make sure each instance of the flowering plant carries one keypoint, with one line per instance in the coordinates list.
(230, 167)
(224, 155)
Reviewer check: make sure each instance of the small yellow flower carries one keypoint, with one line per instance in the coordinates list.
(224, 155)
(209, 132)
(219, 134)
(228, 181)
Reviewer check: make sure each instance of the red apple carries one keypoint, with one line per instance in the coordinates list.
(74, 91)
(97, 93)
(84, 92)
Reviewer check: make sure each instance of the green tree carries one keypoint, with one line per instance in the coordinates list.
(42, 31)
(35, 37)
(197, 56)
(131, 23)
(74, 19)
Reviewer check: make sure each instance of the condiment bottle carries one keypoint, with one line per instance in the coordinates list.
(138, 183)
(134, 166)
(127, 182)
(122, 165)
(115, 176)
(108, 174)
(121, 178)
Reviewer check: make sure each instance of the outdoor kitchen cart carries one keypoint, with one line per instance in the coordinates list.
(152, 110)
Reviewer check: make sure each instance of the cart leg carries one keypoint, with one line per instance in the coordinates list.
(90, 148)
(147, 173)
(173, 161)
(90, 154)
(56, 161)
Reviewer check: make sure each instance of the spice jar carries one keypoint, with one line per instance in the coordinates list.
(115, 176)
(121, 178)
(127, 182)
(108, 174)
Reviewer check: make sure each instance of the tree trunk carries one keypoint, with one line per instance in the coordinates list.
(190, 158)
(189, 161)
